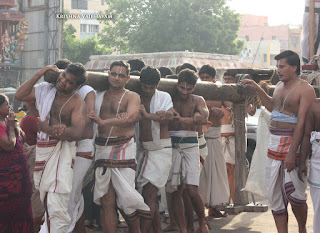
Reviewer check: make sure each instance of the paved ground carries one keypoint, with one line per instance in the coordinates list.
(252, 222)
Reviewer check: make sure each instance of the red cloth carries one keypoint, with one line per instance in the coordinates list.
(15, 189)
(29, 125)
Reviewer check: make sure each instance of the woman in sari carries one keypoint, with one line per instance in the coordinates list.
(15, 186)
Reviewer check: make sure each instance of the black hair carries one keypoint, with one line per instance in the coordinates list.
(178, 68)
(78, 70)
(121, 63)
(136, 64)
(164, 71)
(3, 98)
(188, 76)
(62, 63)
(291, 57)
(207, 69)
(172, 76)
(135, 73)
(188, 66)
(150, 75)
(227, 73)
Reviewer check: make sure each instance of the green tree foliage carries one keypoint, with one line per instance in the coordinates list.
(80, 51)
(172, 25)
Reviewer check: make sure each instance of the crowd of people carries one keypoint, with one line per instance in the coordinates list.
(146, 145)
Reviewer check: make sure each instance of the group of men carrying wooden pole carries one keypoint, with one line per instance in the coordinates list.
(117, 109)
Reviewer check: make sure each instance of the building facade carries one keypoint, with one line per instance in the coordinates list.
(264, 42)
(86, 24)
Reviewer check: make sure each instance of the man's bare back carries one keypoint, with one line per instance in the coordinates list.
(215, 112)
(145, 125)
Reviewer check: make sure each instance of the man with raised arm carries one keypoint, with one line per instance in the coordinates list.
(117, 110)
(288, 106)
(155, 150)
(62, 121)
(184, 136)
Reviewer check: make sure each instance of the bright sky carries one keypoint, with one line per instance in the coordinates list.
(278, 11)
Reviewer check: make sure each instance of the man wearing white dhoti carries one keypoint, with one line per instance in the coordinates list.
(83, 160)
(155, 148)
(291, 99)
(184, 175)
(311, 143)
(116, 112)
(213, 186)
(62, 121)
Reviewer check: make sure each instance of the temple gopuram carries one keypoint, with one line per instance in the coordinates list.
(13, 33)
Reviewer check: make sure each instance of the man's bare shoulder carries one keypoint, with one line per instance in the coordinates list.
(132, 94)
(78, 99)
(305, 86)
(198, 99)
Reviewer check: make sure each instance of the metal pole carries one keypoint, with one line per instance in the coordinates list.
(61, 32)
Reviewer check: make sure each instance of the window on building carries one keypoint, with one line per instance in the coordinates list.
(265, 58)
(102, 2)
(79, 4)
(83, 27)
(294, 41)
(274, 37)
(93, 28)
(247, 38)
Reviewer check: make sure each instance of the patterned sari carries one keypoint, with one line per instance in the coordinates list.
(15, 189)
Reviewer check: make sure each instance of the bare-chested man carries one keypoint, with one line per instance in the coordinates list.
(117, 110)
(62, 121)
(291, 99)
(156, 149)
(227, 132)
(186, 164)
(213, 186)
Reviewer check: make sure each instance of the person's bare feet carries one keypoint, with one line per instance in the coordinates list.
(171, 228)
(213, 212)
(203, 229)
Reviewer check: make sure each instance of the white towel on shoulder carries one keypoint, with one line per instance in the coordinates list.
(45, 94)
(160, 101)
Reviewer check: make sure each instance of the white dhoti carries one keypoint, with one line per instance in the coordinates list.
(228, 143)
(155, 163)
(282, 186)
(186, 163)
(214, 187)
(53, 176)
(314, 179)
(203, 149)
(116, 164)
(83, 160)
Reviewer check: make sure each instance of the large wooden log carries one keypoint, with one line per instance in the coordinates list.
(209, 91)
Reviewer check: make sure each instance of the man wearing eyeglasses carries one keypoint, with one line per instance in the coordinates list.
(116, 113)
(155, 150)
